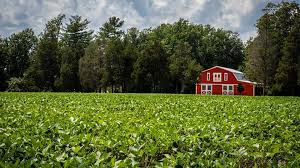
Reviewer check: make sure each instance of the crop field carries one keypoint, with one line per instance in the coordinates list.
(148, 130)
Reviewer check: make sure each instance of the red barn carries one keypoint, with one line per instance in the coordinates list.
(223, 81)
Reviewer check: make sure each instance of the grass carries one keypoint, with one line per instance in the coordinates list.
(146, 130)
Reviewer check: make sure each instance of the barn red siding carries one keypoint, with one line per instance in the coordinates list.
(203, 76)
(198, 89)
(217, 89)
(248, 89)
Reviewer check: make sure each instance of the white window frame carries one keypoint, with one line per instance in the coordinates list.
(226, 91)
(225, 76)
(208, 76)
(217, 77)
(206, 91)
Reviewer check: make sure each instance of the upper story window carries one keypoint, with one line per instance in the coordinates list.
(225, 76)
(208, 77)
(217, 77)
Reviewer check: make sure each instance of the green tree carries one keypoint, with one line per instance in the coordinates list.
(258, 56)
(183, 67)
(3, 63)
(90, 67)
(111, 29)
(110, 35)
(114, 64)
(191, 75)
(20, 47)
(131, 53)
(151, 69)
(209, 46)
(272, 56)
(44, 68)
(76, 38)
(288, 71)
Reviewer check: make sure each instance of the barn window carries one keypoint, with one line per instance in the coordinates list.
(206, 89)
(208, 76)
(225, 76)
(217, 77)
(227, 90)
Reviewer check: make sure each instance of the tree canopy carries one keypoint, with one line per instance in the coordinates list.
(272, 58)
(69, 56)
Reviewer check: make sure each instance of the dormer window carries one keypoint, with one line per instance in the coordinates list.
(208, 77)
(217, 77)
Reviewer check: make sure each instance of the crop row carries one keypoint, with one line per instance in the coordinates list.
(146, 130)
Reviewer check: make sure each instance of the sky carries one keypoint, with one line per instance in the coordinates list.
(236, 15)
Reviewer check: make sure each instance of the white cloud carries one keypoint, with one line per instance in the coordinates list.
(16, 15)
(233, 12)
(160, 3)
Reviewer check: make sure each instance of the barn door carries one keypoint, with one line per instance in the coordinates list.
(227, 90)
(206, 89)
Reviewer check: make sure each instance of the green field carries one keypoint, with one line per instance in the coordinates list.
(147, 130)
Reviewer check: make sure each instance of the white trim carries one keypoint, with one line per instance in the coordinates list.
(225, 76)
(227, 69)
(216, 84)
(246, 81)
(206, 90)
(217, 77)
(227, 89)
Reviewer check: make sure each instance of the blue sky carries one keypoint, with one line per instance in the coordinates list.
(236, 15)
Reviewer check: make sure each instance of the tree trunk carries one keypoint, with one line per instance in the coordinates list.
(182, 86)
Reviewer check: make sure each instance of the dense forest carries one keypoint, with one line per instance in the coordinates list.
(68, 56)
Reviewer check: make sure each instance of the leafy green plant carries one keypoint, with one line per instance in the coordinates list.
(147, 130)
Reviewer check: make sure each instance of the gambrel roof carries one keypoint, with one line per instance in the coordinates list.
(238, 74)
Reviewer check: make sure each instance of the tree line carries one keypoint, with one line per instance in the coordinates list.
(68, 56)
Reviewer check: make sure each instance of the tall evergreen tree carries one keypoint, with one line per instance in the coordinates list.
(90, 67)
(44, 69)
(111, 28)
(113, 65)
(76, 38)
(110, 36)
(129, 57)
